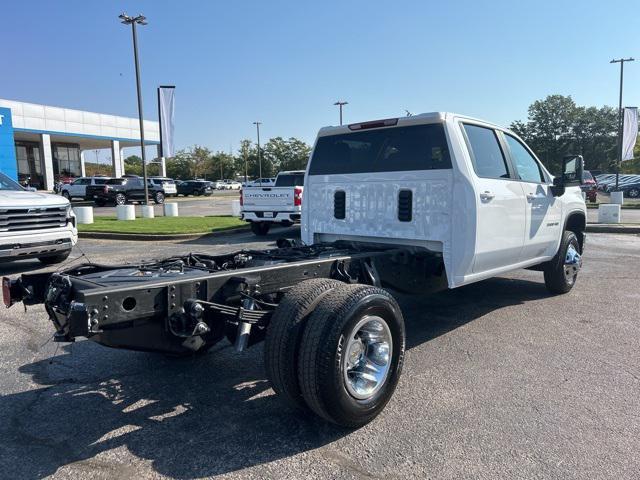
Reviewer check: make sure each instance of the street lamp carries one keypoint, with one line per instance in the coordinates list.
(340, 103)
(133, 21)
(620, 116)
(257, 124)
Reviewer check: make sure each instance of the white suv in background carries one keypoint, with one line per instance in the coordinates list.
(78, 188)
(34, 224)
(167, 184)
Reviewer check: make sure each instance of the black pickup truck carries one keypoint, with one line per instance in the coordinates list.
(123, 190)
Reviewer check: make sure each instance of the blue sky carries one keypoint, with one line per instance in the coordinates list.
(285, 63)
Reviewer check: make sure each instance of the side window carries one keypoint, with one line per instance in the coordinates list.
(526, 166)
(487, 156)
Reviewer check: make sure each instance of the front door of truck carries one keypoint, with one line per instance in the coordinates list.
(500, 204)
(543, 210)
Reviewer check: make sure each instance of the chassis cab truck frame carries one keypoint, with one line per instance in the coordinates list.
(415, 204)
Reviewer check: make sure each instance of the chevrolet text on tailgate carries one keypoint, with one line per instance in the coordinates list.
(412, 205)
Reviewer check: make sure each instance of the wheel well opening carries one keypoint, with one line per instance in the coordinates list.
(577, 223)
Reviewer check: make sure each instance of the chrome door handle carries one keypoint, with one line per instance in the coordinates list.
(532, 196)
(486, 196)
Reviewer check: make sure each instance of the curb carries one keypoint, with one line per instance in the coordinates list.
(612, 228)
(171, 236)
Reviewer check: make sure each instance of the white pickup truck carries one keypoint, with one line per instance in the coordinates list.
(34, 224)
(415, 204)
(281, 203)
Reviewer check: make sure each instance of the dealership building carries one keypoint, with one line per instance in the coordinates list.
(41, 144)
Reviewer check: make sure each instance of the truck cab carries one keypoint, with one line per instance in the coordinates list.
(461, 188)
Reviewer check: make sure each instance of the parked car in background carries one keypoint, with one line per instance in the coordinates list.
(264, 206)
(78, 188)
(34, 224)
(168, 185)
(589, 186)
(632, 189)
(195, 187)
(231, 185)
(121, 191)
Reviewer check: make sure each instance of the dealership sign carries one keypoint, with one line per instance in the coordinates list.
(8, 164)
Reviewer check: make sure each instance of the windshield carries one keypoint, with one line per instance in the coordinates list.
(397, 149)
(7, 183)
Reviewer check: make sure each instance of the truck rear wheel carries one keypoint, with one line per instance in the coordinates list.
(284, 333)
(561, 272)
(260, 228)
(351, 354)
(121, 199)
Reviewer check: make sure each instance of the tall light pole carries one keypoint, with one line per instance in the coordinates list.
(133, 21)
(620, 115)
(257, 124)
(340, 104)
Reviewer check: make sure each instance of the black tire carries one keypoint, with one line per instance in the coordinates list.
(196, 193)
(633, 192)
(158, 198)
(555, 278)
(66, 195)
(283, 337)
(321, 358)
(53, 259)
(120, 199)
(260, 228)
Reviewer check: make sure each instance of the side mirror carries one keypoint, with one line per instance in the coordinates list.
(571, 175)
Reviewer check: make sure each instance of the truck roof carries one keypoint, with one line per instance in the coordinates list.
(429, 117)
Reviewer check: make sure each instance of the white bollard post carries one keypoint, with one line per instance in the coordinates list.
(609, 213)
(235, 208)
(617, 198)
(147, 211)
(84, 215)
(171, 209)
(126, 212)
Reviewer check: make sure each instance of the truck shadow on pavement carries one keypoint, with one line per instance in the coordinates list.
(194, 417)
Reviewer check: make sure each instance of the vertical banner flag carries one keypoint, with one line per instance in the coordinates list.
(630, 132)
(166, 104)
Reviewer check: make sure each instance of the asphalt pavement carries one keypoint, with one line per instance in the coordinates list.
(501, 380)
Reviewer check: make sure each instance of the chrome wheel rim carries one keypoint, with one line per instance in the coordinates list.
(120, 199)
(367, 357)
(572, 264)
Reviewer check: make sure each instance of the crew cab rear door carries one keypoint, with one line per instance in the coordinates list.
(543, 210)
(501, 215)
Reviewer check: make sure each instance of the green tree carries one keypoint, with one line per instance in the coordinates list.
(195, 162)
(291, 154)
(556, 126)
(223, 165)
(133, 165)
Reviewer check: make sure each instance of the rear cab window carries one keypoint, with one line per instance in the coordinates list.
(290, 180)
(486, 153)
(416, 147)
